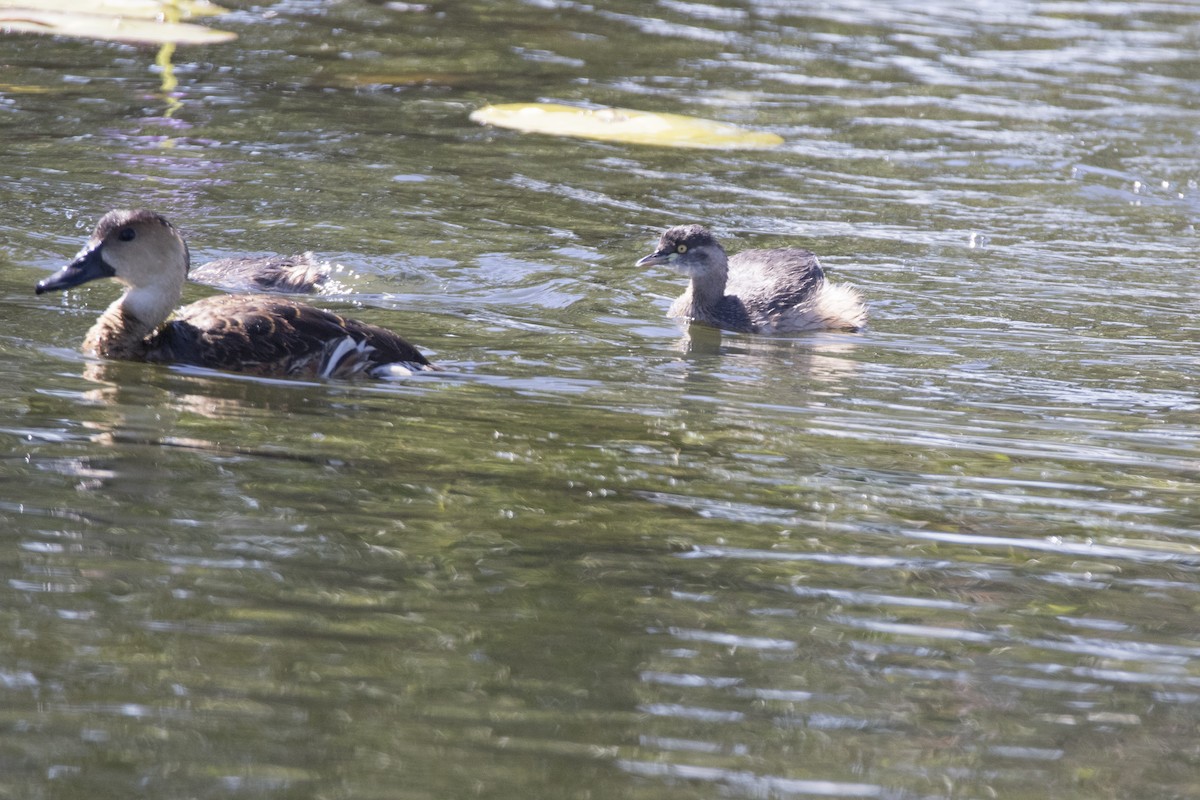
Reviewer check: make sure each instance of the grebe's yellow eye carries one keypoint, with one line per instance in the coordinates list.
(681, 249)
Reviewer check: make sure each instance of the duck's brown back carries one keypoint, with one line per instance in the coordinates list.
(274, 336)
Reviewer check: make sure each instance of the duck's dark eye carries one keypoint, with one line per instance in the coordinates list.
(681, 249)
(127, 235)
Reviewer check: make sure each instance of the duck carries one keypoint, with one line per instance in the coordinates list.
(755, 291)
(302, 273)
(262, 335)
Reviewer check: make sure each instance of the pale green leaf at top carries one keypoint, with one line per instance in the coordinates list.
(139, 9)
(623, 125)
(18, 88)
(108, 28)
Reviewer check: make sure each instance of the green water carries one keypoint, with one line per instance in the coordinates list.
(602, 556)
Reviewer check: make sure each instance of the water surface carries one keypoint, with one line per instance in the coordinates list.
(602, 555)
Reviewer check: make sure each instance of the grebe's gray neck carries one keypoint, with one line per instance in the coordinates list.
(708, 282)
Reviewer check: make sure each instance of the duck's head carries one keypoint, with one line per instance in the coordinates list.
(139, 248)
(688, 249)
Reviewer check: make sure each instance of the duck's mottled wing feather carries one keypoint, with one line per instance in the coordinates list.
(389, 347)
(298, 274)
(771, 281)
(269, 336)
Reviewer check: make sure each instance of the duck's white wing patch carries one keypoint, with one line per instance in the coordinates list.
(346, 357)
(349, 357)
(395, 370)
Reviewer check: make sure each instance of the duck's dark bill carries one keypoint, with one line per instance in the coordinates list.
(88, 266)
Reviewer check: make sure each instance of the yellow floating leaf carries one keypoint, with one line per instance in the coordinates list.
(623, 125)
(17, 88)
(140, 9)
(107, 28)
